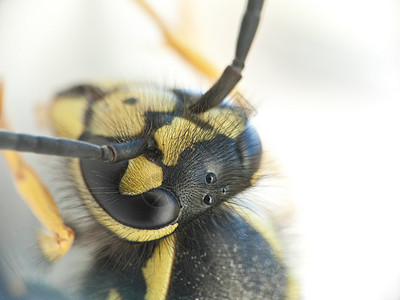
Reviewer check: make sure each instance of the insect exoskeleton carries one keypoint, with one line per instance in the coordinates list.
(195, 161)
(169, 212)
(155, 177)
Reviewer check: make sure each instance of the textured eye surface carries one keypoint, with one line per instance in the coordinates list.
(211, 178)
(208, 199)
(153, 208)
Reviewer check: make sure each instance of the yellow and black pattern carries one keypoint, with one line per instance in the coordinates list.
(170, 207)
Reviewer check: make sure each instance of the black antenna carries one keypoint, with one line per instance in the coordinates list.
(116, 152)
(232, 73)
(111, 153)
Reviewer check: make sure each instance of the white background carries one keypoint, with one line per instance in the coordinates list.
(324, 77)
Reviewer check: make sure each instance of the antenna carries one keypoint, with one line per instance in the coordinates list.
(116, 152)
(112, 153)
(232, 73)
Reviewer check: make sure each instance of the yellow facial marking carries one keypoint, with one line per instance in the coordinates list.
(182, 134)
(158, 269)
(173, 139)
(123, 231)
(114, 295)
(114, 117)
(140, 176)
(67, 116)
(225, 121)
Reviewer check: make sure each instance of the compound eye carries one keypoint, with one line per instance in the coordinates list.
(250, 150)
(208, 199)
(211, 178)
(153, 209)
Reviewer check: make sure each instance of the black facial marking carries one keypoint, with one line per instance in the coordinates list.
(189, 181)
(155, 120)
(90, 92)
(130, 101)
(188, 97)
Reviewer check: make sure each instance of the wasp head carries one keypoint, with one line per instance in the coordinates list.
(195, 162)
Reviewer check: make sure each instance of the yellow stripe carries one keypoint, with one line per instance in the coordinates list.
(261, 225)
(267, 230)
(293, 292)
(158, 270)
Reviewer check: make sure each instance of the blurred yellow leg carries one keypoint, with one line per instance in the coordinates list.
(194, 58)
(197, 60)
(59, 238)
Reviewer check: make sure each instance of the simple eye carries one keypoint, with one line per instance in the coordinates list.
(211, 178)
(208, 199)
(224, 190)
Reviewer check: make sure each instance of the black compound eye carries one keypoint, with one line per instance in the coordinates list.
(250, 149)
(211, 178)
(224, 190)
(153, 209)
(208, 199)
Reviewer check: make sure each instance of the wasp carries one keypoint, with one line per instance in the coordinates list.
(155, 177)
